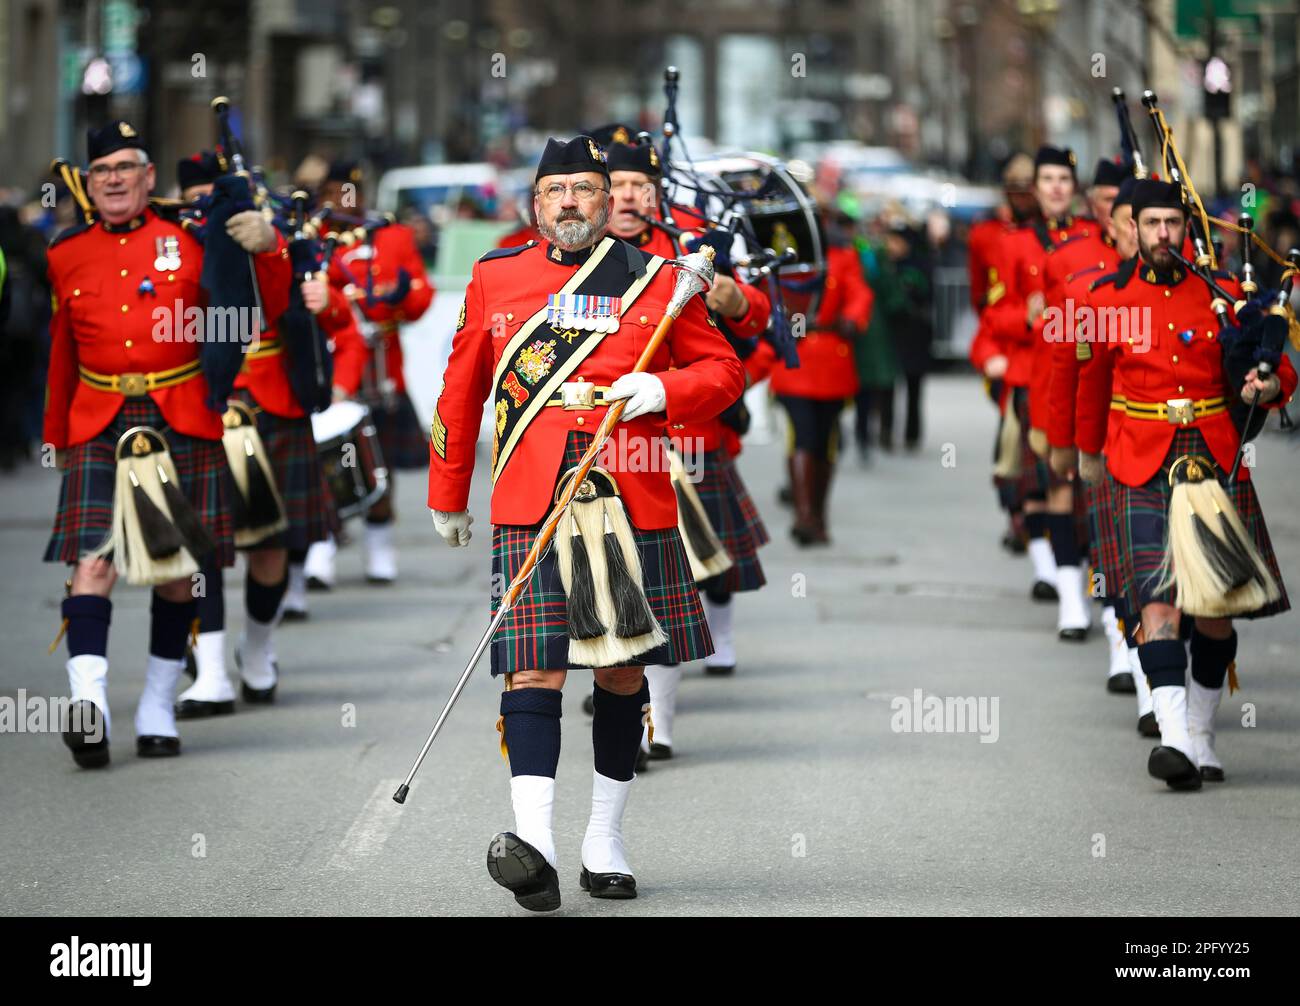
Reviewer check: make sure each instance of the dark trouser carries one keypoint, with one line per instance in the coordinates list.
(912, 429)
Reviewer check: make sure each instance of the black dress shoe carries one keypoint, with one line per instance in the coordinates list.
(1043, 591)
(1013, 543)
(257, 696)
(1211, 773)
(1174, 767)
(1072, 635)
(615, 886)
(1147, 725)
(642, 760)
(589, 704)
(522, 870)
(721, 670)
(84, 721)
(660, 752)
(198, 709)
(293, 615)
(151, 746)
(1121, 683)
(315, 584)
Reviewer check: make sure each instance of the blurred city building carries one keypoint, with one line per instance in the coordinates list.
(953, 84)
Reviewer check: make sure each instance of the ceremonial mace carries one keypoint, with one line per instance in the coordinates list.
(694, 275)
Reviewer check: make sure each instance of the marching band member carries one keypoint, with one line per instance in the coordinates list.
(742, 312)
(112, 374)
(1176, 428)
(552, 332)
(384, 279)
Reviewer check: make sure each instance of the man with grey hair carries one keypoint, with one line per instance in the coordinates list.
(553, 332)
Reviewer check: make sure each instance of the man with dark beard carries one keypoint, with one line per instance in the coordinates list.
(1169, 369)
(553, 331)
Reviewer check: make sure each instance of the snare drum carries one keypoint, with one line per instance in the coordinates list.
(348, 448)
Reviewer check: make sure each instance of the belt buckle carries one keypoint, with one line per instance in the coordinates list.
(577, 395)
(133, 385)
(1180, 411)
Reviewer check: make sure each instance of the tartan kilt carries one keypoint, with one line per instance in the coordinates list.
(735, 519)
(1141, 513)
(534, 635)
(85, 513)
(1104, 535)
(291, 449)
(402, 438)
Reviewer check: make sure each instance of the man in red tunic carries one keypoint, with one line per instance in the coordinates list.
(553, 332)
(119, 359)
(1160, 343)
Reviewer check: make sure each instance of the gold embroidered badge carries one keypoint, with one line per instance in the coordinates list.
(535, 361)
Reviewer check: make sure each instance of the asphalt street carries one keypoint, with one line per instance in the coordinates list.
(792, 793)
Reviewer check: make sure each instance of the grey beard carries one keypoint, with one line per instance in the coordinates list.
(572, 235)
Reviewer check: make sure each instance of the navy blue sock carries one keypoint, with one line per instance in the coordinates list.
(212, 605)
(718, 595)
(169, 625)
(1164, 662)
(297, 556)
(1036, 524)
(1065, 544)
(616, 730)
(1211, 657)
(261, 600)
(88, 618)
(532, 730)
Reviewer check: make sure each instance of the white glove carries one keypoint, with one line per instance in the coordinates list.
(644, 392)
(251, 231)
(454, 527)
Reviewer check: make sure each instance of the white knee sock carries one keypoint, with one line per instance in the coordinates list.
(663, 683)
(257, 654)
(1043, 560)
(154, 716)
(533, 798)
(88, 679)
(602, 846)
(212, 683)
(724, 643)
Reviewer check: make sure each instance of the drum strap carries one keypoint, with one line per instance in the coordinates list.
(531, 370)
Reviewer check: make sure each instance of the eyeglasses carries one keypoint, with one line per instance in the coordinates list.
(127, 169)
(582, 191)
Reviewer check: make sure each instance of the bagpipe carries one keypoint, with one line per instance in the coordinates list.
(762, 225)
(1210, 555)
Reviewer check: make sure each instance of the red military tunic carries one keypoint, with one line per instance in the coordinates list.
(1177, 356)
(1055, 348)
(1069, 355)
(982, 243)
(1008, 318)
(699, 370)
(826, 369)
(350, 352)
(393, 248)
(107, 321)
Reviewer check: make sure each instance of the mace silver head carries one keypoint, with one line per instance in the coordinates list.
(694, 275)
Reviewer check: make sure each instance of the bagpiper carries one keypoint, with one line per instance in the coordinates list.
(719, 522)
(552, 333)
(383, 278)
(1158, 341)
(145, 488)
